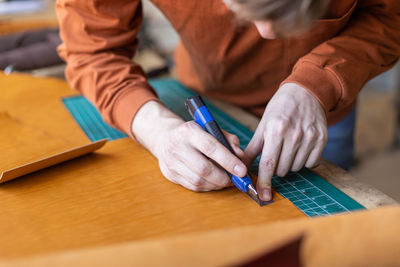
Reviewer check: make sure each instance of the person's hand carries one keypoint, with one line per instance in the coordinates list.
(187, 155)
(292, 133)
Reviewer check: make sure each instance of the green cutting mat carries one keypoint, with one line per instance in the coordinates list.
(309, 192)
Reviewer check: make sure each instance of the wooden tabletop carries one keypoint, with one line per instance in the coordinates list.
(115, 195)
(363, 193)
(118, 194)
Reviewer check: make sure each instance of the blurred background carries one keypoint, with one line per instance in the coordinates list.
(29, 37)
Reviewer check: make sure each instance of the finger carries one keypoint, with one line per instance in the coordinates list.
(315, 155)
(186, 178)
(308, 144)
(212, 148)
(301, 156)
(193, 181)
(255, 146)
(234, 141)
(314, 158)
(289, 150)
(269, 159)
(203, 167)
(188, 185)
(167, 173)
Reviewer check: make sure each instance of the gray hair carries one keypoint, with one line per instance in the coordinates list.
(288, 16)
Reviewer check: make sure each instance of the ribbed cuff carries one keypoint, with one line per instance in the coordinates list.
(128, 104)
(321, 82)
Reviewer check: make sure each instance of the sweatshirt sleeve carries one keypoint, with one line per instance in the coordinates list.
(99, 41)
(336, 70)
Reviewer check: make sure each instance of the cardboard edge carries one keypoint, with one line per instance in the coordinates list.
(40, 164)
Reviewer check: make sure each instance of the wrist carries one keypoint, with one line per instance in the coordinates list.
(299, 92)
(152, 121)
(299, 89)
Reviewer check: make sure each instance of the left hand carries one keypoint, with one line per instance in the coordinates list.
(292, 133)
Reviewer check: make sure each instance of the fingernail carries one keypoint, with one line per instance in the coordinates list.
(239, 170)
(265, 194)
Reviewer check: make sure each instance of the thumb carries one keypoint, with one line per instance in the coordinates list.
(254, 147)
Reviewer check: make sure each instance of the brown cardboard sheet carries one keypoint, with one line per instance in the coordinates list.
(116, 195)
(25, 149)
(367, 238)
(36, 129)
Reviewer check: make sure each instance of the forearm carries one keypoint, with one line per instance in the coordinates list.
(99, 40)
(116, 86)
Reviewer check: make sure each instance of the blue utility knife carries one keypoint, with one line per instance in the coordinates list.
(202, 116)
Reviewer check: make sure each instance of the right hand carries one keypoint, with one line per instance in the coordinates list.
(187, 155)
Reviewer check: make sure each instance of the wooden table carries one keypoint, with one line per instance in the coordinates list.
(118, 196)
(115, 195)
(364, 194)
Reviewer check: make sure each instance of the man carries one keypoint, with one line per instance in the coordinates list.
(284, 65)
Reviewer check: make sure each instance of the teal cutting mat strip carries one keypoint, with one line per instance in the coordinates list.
(310, 193)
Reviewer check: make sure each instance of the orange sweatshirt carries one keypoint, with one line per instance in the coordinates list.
(355, 41)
